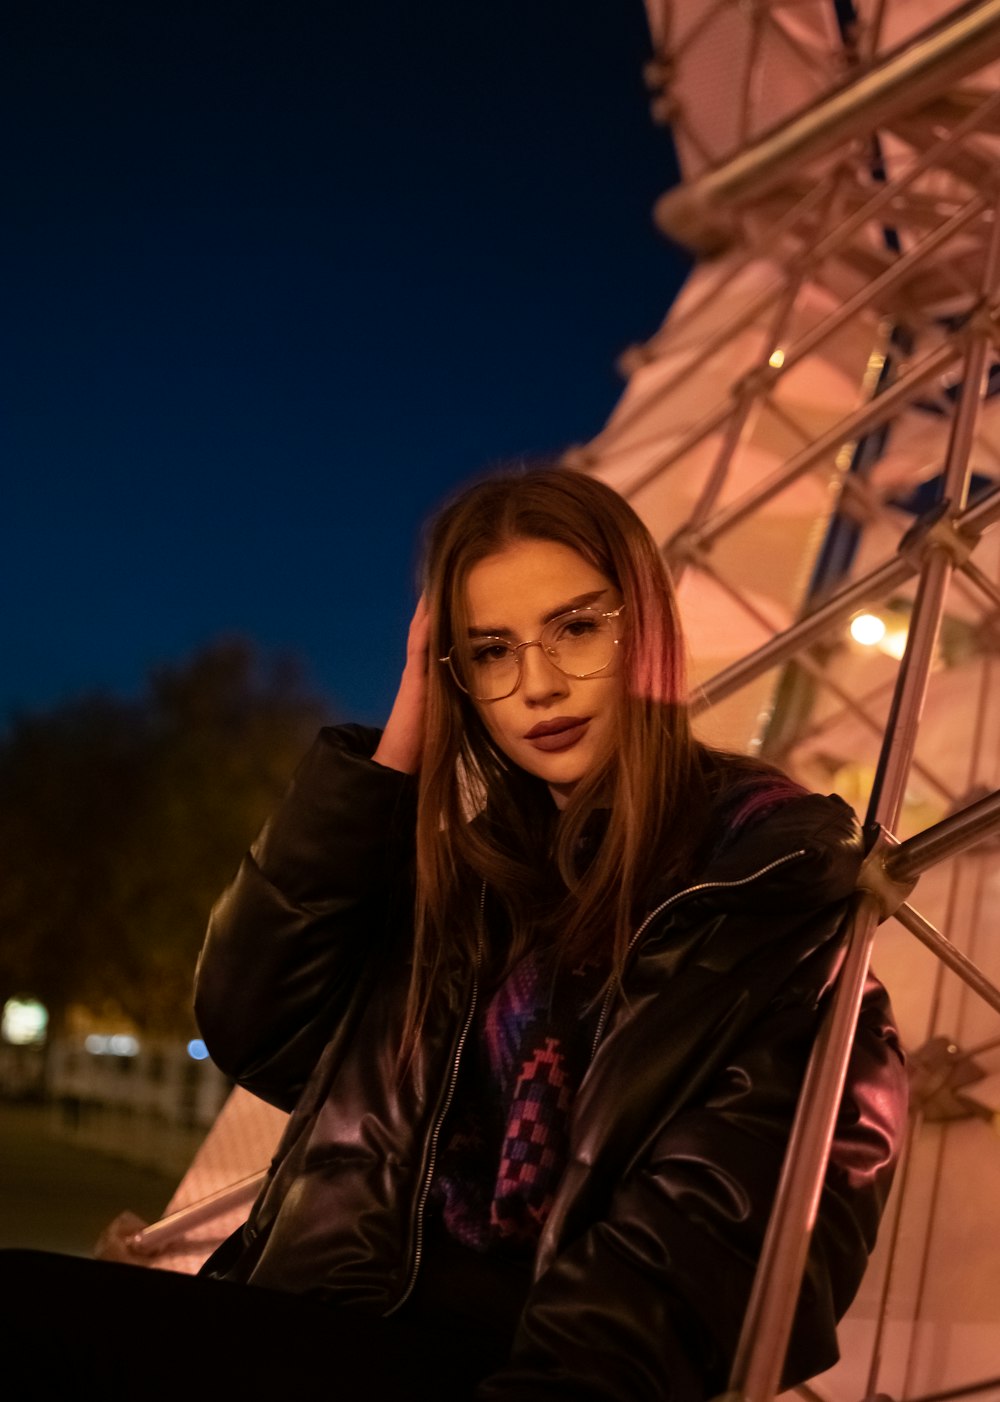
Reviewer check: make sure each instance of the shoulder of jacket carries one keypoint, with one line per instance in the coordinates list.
(779, 839)
(350, 738)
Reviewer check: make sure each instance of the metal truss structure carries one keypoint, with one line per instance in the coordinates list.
(814, 436)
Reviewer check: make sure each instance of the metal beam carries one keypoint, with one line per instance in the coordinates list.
(697, 214)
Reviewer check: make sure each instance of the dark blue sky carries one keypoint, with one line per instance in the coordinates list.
(277, 277)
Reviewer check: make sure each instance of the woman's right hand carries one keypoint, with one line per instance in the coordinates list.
(402, 740)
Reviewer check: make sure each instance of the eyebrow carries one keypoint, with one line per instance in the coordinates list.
(579, 602)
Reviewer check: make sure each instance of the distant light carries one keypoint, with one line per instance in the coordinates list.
(121, 1044)
(23, 1022)
(868, 629)
(894, 643)
(776, 358)
(197, 1050)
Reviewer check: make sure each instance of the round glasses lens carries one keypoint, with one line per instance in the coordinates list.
(486, 667)
(580, 643)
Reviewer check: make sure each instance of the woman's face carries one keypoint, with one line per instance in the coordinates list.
(554, 726)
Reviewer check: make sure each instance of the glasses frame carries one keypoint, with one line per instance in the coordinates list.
(518, 648)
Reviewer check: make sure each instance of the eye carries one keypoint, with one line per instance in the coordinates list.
(489, 652)
(576, 625)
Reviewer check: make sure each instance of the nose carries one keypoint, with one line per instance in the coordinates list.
(541, 679)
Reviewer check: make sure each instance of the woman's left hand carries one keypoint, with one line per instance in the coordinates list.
(402, 742)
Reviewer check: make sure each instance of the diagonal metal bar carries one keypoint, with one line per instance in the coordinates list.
(896, 274)
(758, 19)
(815, 625)
(949, 954)
(982, 581)
(810, 629)
(736, 265)
(741, 422)
(779, 293)
(861, 707)
(981, 514)
(954, 834)
(766, 377)
(820, 674)
(868, 416)
(159, 1235)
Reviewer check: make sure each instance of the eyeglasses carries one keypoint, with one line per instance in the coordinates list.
(580, 643)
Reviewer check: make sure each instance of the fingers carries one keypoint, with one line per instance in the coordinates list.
(402, 740)
(419, 635)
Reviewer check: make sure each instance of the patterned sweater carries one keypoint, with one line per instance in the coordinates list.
(504, 1142)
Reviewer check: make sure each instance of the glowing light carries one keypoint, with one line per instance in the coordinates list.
(867, 629)
(197, 1050)
(894, 643)
(776, 358)
(121, 1044)
(23, 1022)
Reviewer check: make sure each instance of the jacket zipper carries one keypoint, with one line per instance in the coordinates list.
(425, 1187)
(672, 900)
(428, 1178)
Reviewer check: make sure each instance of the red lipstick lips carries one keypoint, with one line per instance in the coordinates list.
(558, 734)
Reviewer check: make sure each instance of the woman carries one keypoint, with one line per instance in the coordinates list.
(537, 975)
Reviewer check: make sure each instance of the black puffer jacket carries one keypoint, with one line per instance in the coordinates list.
(678, 1129)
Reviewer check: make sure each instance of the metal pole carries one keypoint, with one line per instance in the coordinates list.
(955, 834)
(818, 672)
(879, 582)
(738, 265)
(911, 686)
(887, 193)
(928, 609)
(982, 581)
(767, 1327)
(981, 514)
(941, 56)
(897, 272)
(809, 629)
(155, 1238)
(949, 954)
(872, 414)
(764, 1339)
(740, 422)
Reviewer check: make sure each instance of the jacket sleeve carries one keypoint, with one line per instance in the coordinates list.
(646, 1304)
(312, 906)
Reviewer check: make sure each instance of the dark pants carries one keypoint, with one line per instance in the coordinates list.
(134, 1333)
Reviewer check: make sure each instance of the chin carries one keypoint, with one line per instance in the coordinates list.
(562, 773)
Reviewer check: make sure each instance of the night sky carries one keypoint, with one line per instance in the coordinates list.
(277, 277)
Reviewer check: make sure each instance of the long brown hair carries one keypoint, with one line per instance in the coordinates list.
(481, 819)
